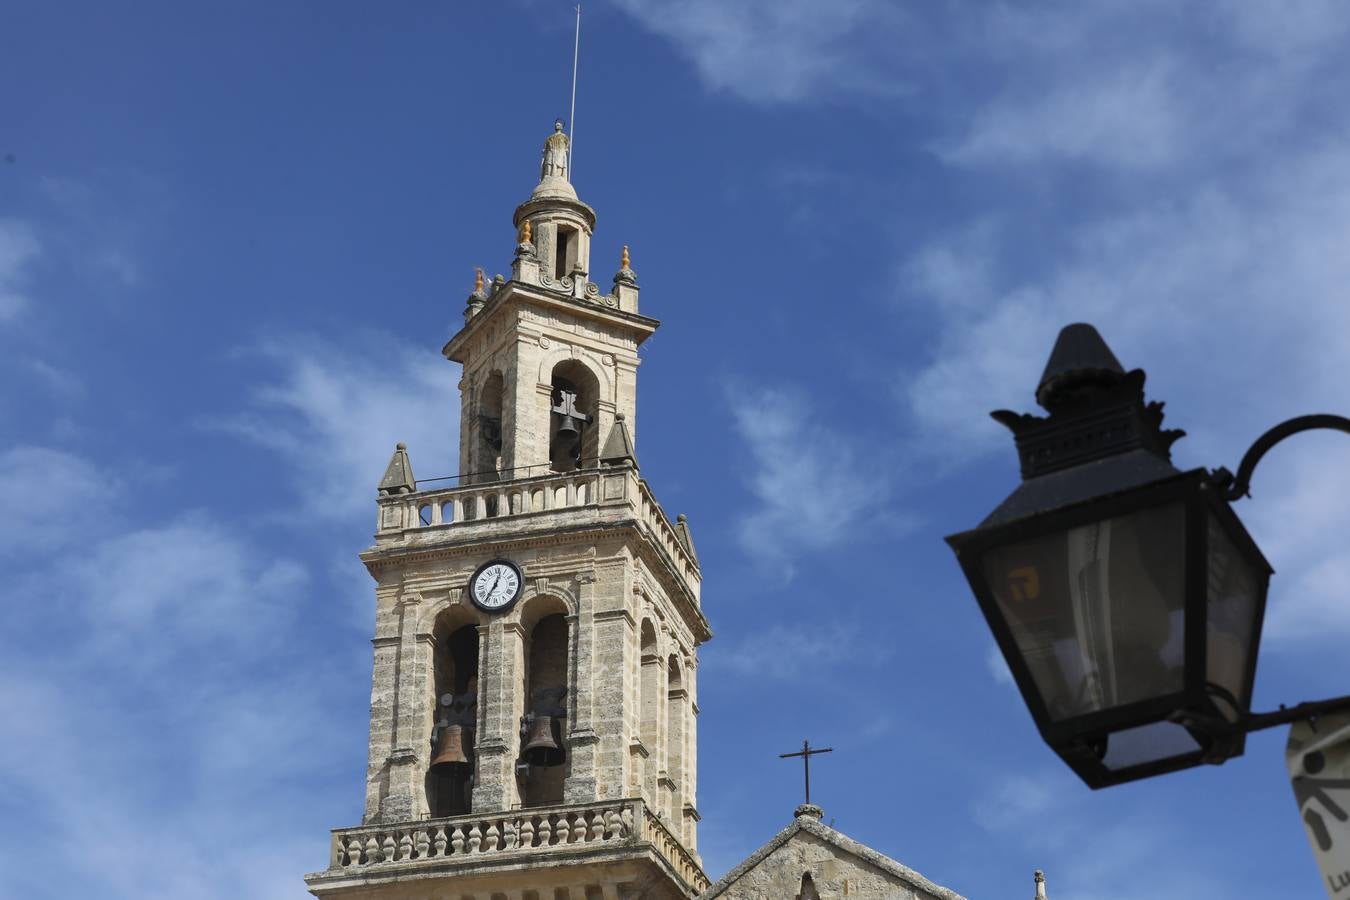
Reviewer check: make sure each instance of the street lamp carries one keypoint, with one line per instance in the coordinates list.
(1125, 594)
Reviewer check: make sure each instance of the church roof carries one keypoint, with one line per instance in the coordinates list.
(810, 825)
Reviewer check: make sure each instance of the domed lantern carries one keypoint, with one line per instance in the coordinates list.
(1125, 594)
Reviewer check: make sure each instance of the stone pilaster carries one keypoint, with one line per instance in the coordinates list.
(500, 674)
(583, 741)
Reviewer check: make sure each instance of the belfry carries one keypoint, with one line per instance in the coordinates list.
(533, 709)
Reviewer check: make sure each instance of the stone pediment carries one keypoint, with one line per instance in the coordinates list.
(838, 866)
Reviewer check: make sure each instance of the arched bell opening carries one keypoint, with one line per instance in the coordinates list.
(808, 889)
(486, 460)
(543, 748)
(574, 403)
(449, 778)
(675, 737)
(650, 705)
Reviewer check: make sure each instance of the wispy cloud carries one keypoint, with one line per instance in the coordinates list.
(1129, 117)
(335, 411)
(50, 496)
(18, 248)
(998, 667)
(798, 652)
(1052, 820)
(145, 701)
(813, 487)
(772, 52)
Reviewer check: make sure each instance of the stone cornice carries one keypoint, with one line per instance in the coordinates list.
(377, 559)
(605, 615)
(642, 326)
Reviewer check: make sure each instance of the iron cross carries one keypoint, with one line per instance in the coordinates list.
(806, 753)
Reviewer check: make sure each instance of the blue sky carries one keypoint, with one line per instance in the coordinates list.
(233, 240)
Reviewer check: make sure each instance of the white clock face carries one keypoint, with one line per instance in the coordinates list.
(496, 585)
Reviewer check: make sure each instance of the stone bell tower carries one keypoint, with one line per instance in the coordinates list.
(533, 709)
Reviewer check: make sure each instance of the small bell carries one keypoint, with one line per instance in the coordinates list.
(542, 741)
(541, 729)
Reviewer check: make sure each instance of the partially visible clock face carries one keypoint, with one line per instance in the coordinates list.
(496, 585)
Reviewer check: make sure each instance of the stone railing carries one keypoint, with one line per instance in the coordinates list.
(518, 832)
(474, 503)
(654, 832)
(606, 489)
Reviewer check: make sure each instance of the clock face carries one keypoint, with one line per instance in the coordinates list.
(496, 585)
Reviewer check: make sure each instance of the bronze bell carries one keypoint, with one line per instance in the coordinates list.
(542, 744)
(453, 746)
(566, 445)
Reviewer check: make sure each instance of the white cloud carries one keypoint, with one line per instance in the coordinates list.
(1129, 117)
(51, 497)
(800, 652)
(144, 702)
(813, 486)
(1015, 802)
(998, 667)
(334, 412)
(18, 248)
(771, 51)
(62, 383)
(191, 576)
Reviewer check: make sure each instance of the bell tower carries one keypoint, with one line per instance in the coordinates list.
(533, 709)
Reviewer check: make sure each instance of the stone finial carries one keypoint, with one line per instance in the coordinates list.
(478, 297)
(526, 232)
(1040, 885)
(810, 811)
(684, 537)
(398, 475)
(618, 447)
(625, 275)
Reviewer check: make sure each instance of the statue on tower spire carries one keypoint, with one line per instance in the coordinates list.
(555, 167)
(555, 154)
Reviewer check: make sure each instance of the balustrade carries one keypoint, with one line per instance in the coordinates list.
(574, 490)
(517, 831)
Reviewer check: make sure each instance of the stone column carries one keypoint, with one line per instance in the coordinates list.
(690, 784)
(611, 701)
(582, 741)
(405, 798)
(500, 685)
(382, 698)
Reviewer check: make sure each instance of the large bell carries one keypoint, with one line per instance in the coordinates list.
(564, 450)
(452, 747)
(543, 744)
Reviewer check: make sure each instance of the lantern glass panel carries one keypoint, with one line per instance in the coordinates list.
(1234, 591)
(1097, 611)
(1146, 744)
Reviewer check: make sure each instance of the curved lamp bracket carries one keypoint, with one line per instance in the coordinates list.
(1235, 487)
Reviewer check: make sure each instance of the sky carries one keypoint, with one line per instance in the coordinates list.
(233, 239)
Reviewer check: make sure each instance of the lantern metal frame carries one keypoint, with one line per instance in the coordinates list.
(1099, 455)
(1204, 709)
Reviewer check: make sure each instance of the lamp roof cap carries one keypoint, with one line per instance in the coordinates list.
(1080, 360)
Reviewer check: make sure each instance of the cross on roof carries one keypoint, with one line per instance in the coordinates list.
(806, 753)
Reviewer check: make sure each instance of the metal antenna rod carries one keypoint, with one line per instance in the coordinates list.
(572, 116)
